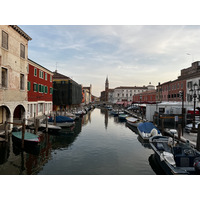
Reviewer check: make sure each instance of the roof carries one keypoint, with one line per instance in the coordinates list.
(131, 87)
(57, 75)
(39, 65)
(21, 32)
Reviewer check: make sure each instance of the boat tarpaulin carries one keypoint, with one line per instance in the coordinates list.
(61, 119)
(146, 127)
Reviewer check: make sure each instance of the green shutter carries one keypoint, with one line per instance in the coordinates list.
(36, 87)
(28, 86)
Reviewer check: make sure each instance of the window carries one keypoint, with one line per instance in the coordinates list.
(35, 71)
(46, 89)
(50, 78)
(4, 40)
(22, 51)
(46, 76)
(189, 84)
(35, 87)
(41, 88)
(4, 77)
(28, 86)
(41, 74)
(21, 81)
(51, 90)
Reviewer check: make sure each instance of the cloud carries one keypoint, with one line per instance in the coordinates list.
(127, 54)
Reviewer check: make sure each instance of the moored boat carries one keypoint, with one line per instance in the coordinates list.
(147, 130)
(175, 157)
(61, 119)
(51, 127)
(133, 121)
(123, 116)
(29, 138)
(63, 124)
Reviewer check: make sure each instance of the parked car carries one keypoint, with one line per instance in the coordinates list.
(188, 127)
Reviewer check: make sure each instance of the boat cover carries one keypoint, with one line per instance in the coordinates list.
(147, 127)
(61, 119)
(27, 136)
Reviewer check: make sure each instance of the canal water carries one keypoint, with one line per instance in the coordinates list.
(98, 144)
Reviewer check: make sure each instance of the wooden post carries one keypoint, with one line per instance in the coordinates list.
(46, 123)
(34, 118)
(23, 132)
(162, 121)
(179, 131)
(36, 126)
(54, 119)
(154, 119)
(6, 131)
(198, 139)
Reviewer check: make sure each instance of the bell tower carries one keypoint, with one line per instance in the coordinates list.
(106, 89)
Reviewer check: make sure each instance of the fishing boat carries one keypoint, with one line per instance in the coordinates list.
(29, 138)
(147, 130)
(175, 157)
(133, 121)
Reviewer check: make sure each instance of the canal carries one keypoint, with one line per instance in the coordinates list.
(98, 144)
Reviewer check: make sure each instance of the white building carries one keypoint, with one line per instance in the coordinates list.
(125, 93)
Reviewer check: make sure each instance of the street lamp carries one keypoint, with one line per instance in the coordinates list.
(181, 93)
(194, 93)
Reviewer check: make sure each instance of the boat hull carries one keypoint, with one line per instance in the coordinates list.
(29, 138)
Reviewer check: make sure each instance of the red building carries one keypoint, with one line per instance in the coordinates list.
(40, 89)
(147, 97)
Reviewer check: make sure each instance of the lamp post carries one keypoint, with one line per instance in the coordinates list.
(181, 93)
(140, 106)
(194, 92)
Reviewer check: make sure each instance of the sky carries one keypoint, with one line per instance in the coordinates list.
(130, 55)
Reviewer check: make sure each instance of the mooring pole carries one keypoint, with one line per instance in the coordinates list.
(162, 121)
(54, 119)
(179, 131)
(23, 132)
(46, 123)
(6, 131)
(198, 139)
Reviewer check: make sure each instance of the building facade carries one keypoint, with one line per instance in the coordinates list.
(147, 97)
(40, 89)
(87, 94)
(13, 73)
(66, 92)
(126, 93)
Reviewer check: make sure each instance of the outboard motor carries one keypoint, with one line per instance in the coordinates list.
(197, 164)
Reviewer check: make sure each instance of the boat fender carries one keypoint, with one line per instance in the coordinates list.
(170, 142)
(154, 132)
(197, 164)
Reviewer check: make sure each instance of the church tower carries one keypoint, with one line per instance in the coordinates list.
(106, 89)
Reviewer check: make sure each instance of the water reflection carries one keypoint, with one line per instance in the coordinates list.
(97, 144)
(155, 166)
(145, 144)
(4, 152)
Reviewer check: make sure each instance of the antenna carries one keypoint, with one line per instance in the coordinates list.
(56, 67)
